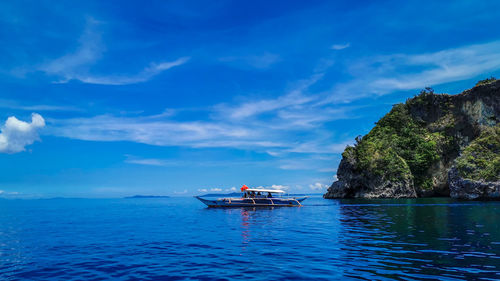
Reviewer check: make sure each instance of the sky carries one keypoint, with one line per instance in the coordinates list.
(116, 98)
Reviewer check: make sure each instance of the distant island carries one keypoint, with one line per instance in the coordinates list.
(146, 196)
(432, 145)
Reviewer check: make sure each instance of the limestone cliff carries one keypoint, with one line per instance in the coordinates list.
(425, 146)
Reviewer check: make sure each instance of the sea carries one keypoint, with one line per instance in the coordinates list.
(180, 239)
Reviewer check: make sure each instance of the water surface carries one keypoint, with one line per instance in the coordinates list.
(178, 238)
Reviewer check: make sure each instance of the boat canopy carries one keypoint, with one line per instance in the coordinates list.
(264, 190)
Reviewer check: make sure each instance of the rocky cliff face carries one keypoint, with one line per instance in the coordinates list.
(432, 145)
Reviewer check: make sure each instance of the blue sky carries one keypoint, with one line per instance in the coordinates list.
(114, 98)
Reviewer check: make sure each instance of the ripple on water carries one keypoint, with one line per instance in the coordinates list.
(177, 239)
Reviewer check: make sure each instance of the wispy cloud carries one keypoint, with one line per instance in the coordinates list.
(265, 126)
(442, 67)
(382, 75)
(340, 46)
(318, 186)
(275, 186)
(217, 189)
(261, 61)
(77, 65)
(37, 107)
(293, 123)
(146, 74)
(148, 162)
(155, 131)
(90, 49)
(164, 162)
(17, 134)
(9, 194)
(295, 97)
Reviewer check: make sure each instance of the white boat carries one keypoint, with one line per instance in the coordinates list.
(256, 197)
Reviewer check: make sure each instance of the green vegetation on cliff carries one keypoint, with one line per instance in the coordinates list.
(431, 145)
(398, 148)
(486, 81)
(481, 159)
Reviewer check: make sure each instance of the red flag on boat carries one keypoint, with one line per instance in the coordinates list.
(244, 187)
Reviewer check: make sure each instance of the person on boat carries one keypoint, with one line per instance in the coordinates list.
(245, 195)
(252, 194)
(269, 195)
(259, 195)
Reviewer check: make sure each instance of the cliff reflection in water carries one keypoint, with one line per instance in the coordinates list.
(420, 238)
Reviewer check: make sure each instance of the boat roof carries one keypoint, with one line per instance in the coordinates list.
(265, 190)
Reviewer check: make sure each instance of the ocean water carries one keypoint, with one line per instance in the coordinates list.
(179, 239)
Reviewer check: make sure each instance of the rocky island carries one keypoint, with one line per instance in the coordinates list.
(432, 145)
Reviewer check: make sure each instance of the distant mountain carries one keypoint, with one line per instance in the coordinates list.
(432, 145)
(147, 196)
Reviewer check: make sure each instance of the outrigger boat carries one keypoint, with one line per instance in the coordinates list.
(256, 197)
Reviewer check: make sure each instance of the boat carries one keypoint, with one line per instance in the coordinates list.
(255, 197)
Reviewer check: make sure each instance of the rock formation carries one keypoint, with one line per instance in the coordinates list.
(432, 145)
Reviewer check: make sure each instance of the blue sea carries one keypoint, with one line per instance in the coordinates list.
(181, 239)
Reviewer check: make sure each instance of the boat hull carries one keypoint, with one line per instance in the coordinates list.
(252, 202)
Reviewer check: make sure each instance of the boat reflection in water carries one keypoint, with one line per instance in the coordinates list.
(256, 197)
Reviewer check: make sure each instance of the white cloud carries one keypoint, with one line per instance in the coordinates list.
(215, 189)
(163, 131)
(293, 123)
(145, 75)
(148, 162)
(386, 74)
(202, 190)
(46, 107)
(274, 153)
(131, 159)
(77, 65)
(9, 194)
(340, 46)
(249, 109)
(156, 130)
(318, 186)
(17, 134)
(11, 104)
(280, 187)
(89, 50)
(286, 124)
(261, 125)
(275, 186)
